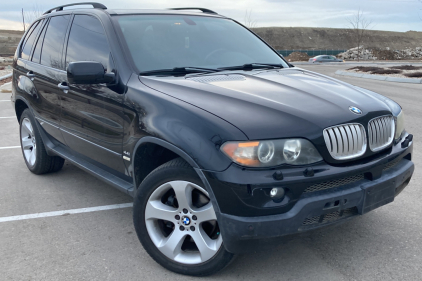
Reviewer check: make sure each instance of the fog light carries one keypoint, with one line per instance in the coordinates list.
(277, 194)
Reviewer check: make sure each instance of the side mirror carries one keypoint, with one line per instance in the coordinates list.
(88, 72)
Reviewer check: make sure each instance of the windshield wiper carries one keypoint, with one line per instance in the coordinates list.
(251, 66)
(179, 71)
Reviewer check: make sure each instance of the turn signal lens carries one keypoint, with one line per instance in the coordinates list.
(243, 153)
(272, 153)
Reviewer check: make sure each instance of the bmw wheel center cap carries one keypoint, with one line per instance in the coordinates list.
(186, 220)
(355, 110)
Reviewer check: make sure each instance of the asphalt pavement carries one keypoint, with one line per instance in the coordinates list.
(385, 244)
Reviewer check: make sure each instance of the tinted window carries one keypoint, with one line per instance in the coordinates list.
(168, 41)
(29, 40)
(53, 41)
(36, 56)
(87, 41)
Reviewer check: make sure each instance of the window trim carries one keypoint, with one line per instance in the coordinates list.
(25, 40)
(64, 39)
(44, 25)
(105, 34)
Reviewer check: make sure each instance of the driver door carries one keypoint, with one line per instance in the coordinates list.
(92, 117)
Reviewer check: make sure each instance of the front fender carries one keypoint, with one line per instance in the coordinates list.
(195, 132)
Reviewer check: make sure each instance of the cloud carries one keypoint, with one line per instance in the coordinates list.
(10, 25)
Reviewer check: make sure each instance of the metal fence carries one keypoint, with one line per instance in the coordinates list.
(313, 53)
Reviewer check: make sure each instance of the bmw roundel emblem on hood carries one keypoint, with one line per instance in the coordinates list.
(355, 110)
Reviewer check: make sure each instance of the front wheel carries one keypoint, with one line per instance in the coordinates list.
(176, 222)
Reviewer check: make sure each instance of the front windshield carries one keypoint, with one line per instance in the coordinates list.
(168, 41)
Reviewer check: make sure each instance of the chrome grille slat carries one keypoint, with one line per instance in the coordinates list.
(345, 141)
(381, 132)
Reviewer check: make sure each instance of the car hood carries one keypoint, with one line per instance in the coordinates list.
(274, 103)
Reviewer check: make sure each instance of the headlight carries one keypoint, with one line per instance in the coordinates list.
(399, 125)
(272, 153)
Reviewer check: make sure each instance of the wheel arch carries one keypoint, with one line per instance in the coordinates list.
(171, 152)
(149, 145)
(20, 106)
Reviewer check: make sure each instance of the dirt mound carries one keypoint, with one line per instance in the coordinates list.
(297, 56)
(365, 68)
(4, 81)
(406, 67)
(414, 75)
(383, 54)
(303, 38)
(387, 71)
(376, 70)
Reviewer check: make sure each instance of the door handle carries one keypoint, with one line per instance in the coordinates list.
(63, 86)
(30, 74)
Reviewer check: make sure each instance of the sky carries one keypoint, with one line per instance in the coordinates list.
(391, 15)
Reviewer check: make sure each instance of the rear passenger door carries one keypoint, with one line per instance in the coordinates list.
(92, 116)
(20, 72)
(46, 69)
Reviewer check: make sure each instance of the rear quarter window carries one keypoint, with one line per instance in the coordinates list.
(36, 56)
(29, 40)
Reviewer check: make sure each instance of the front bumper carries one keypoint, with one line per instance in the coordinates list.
(244, 234)
(383, 179)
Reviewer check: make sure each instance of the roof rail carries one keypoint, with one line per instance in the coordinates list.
(208, 11)
(94, 5)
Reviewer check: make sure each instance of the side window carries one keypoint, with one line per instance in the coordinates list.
(87, 41)
(29, 40)
(36, 56)
(51, 53)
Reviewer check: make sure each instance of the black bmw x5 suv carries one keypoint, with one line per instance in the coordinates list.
(225, 147)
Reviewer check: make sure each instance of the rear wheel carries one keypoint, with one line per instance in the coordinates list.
(176, 222)
(36, 158)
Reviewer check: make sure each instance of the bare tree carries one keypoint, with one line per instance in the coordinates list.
(249, 20)
(28, 17)
(419, 14)
(23, 21)
(359, 25)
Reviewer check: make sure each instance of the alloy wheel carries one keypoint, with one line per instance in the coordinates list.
(29, 145)
(182, 224)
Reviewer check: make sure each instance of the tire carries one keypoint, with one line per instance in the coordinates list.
(36, 158)
(159, 191)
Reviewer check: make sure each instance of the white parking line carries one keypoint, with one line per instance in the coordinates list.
(4, 100)
(66, 212)
(7, 117)
(9, 147)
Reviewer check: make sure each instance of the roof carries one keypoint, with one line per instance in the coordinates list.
(101, 7)
(159, 11)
